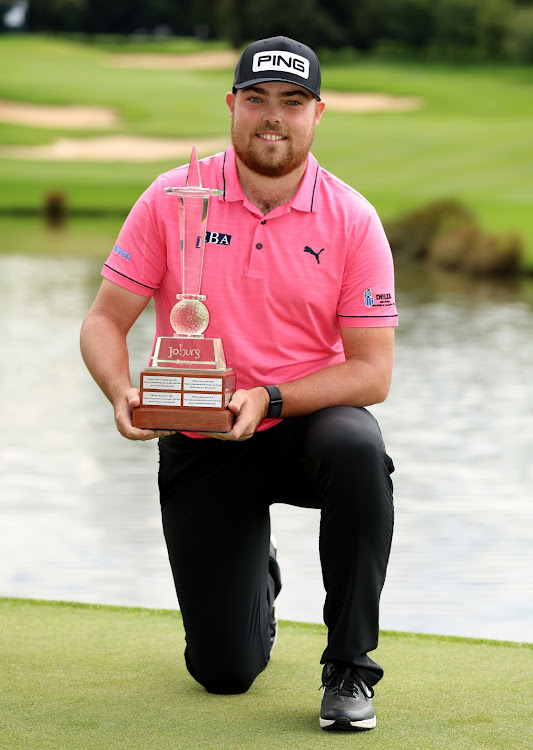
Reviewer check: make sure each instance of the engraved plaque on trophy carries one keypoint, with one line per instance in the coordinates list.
(188, 385)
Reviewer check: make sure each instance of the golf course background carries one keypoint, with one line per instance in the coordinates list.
(82, 676)
(470, 139)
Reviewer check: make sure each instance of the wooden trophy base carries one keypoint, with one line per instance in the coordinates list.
(185, 399)
(174, 418)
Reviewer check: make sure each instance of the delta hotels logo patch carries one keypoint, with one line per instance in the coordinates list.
(379, 300)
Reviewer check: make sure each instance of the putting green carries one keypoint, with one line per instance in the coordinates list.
(76, 677)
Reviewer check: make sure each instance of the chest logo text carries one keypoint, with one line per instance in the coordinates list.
(216, 238)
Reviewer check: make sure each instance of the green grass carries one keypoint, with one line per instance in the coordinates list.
(86, 677)
(471, 140)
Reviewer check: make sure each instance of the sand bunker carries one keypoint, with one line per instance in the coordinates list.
(196, 61)
(72, 116)
(339, 101)
(115, 148)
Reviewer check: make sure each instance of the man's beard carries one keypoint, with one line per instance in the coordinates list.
(265, 162)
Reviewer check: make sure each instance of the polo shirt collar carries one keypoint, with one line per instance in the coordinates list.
(305, 198)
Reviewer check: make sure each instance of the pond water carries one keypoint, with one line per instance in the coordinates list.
(79, 515)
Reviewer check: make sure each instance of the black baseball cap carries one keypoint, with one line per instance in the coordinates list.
(278, 59)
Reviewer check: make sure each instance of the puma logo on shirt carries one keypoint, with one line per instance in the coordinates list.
(310, 250)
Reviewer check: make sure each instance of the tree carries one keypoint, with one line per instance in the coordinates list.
(456, 27)
(493, 20)
(410, 22)
(518, 42)
(57, 15)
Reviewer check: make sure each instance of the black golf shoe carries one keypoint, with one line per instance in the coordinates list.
(346, 703)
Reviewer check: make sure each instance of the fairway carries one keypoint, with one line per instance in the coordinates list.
(470, 139)
(86, 677)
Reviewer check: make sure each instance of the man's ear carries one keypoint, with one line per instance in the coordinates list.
(320, 107)
(230, 101)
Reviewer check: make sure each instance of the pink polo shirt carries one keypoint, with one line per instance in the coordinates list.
(277, 286)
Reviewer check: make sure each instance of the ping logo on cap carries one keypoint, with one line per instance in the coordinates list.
(285, 62)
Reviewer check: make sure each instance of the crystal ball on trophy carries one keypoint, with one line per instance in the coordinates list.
(189, 316)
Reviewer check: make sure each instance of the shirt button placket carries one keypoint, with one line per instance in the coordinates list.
(259, 245)
(257, 257)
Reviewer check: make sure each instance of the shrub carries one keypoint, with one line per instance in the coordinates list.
(474, 252)
(412, 235)
(445, 234)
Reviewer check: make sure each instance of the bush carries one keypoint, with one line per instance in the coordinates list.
(446, 234)
(412, 235)
(470, 250)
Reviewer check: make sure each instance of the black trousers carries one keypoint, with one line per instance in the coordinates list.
(215, 499)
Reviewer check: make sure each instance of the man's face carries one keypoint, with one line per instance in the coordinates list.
(272, 126)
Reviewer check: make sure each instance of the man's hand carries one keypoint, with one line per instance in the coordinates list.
(123, 418)
(249, 407)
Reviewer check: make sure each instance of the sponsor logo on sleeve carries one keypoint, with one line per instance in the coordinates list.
(383, 299)
(369, 299)
(123, 254)
(285, 62)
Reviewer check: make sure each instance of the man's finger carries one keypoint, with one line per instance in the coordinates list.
(237, 400)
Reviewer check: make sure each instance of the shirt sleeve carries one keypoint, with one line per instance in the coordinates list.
(367, 294)
(138, 259)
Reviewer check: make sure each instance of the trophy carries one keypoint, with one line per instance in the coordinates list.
(188, 385)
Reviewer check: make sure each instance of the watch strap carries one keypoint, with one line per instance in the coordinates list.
(276, 401)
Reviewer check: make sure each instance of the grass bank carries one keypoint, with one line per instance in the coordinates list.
(82, 676)
(471, 139)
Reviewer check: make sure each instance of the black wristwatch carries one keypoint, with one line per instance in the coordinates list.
(276, 402)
